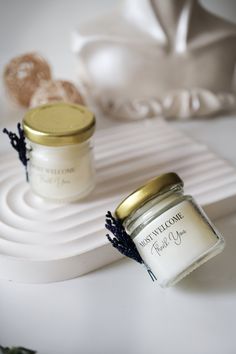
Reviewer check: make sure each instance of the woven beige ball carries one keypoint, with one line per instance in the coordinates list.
(23, 75)
(56, 91)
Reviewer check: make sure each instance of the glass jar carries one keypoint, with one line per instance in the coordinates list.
(60, 154)
(171, 232)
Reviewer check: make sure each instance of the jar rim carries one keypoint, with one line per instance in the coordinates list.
(143, 194)
(59, 124)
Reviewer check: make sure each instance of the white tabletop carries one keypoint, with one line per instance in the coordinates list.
(116, 309)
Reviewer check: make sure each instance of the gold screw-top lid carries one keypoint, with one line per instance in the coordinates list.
(59, 124)
(146, 192)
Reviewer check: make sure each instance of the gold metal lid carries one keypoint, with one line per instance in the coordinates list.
(59, 124)
(146, 192)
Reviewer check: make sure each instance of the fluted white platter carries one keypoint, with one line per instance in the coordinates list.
(43, 242)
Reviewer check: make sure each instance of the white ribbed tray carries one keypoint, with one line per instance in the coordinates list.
(43, 242)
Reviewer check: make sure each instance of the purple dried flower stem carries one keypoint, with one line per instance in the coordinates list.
(123, 242)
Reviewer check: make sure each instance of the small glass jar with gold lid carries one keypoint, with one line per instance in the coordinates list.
(171, 232)
(61, 166)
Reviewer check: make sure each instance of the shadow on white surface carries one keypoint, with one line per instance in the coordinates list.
(218, 275)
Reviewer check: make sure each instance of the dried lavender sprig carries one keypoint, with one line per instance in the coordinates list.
(123, 242)
(19, 144)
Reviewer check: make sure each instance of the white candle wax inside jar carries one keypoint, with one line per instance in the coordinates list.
(171, 232)
(60, 154)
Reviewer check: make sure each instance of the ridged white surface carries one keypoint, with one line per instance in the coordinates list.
(42, 241)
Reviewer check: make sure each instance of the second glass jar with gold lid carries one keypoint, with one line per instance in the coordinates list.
(61, 166)
(172, 233)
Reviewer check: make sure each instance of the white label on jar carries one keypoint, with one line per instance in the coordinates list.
(174, 240)
(61, 179)
(57, 176)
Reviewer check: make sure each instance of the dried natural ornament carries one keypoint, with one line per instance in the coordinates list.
(23, 75)
(56, 91)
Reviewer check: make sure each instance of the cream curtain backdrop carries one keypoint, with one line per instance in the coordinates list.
(46, 26)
